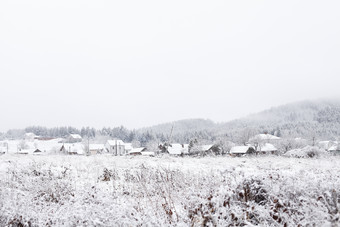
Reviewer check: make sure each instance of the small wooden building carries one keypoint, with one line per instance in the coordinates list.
(242, 150)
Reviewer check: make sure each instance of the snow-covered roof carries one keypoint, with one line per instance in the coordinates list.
(206, 147)
(29, 134)
(37, 152)
(239, 149)
(26, 151)
(267, 147)
(75, 136)
(128, 146)
(148, 153)
(328, 145)
(48, 145)
(335, 147)
(137, 150)
(177, 149)
(95, 146)
(115, 142)
(43, 145)
(185, 148)
(75, 148)
(324, 142)
(265, 137)
(3, 149)
(199, 148)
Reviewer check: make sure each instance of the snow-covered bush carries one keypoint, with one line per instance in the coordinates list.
(286, 144)
(306, 152)
(211, 191)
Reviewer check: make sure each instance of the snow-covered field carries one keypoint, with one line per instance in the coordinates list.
(106, 190)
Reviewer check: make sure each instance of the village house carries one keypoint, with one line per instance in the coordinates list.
(128, 148)
(74, 138)
(242, 150)
(30, 136)
(326, 145)
(48, 146)
(335, 149)
(115, 147)
(37, 152)
(96, 148)
(266, 148)
(73, 149)
(63, 150)
(137, 151)
(148, 153)
(30, 151)
(177, 149)
(205, 149)
(44, 138)
(3, 147)
(24, 151)
(264, 138)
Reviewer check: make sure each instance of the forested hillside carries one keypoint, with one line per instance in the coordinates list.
(318, 119)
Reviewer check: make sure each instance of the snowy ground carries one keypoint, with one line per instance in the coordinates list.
(104, 190)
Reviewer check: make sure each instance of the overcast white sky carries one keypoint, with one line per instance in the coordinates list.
(140, 63)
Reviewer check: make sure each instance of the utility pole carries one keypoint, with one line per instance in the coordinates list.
(172, 128)
(169, 138)
(88, 145)
(116, 148)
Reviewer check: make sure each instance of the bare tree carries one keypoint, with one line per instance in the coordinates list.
(246, 134)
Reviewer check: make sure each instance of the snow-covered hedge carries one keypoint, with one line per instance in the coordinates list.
(142, 191)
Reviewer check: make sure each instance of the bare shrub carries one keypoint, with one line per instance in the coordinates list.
(252, 190)
(108, 175)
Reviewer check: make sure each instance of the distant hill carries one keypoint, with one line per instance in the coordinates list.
(182, 126)
(305, 111)
(317, 118)
(320, 118)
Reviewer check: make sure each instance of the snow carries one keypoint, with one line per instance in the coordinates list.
(239, 149)
(169, 191)
(329, 145)
(265, 137)
(75, 136)
(308, 151)
(115, 142)
(178, 149)
(3, 149)
(148, 153)
(335, 147)
(267, 147)
(49, 146)
(128, 146)
(30, 135)
(75, 148)
(206, 147)
(26, 151)
(97, 146)
(136, 150)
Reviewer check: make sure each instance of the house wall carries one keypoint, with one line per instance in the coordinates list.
(93, 152)
(120, 150)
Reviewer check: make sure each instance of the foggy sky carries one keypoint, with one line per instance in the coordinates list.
(140, 63)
